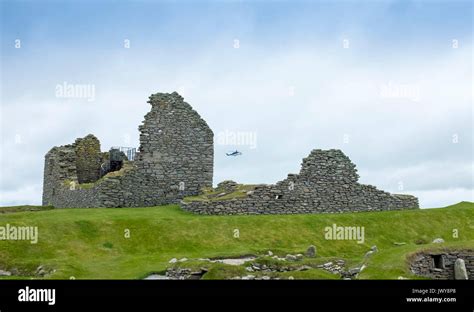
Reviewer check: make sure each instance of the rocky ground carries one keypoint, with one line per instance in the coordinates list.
(263, 267)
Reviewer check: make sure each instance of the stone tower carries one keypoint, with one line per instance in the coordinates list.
(176, 145)
(175, 159)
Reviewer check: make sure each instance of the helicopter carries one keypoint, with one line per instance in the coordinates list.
(234, 153)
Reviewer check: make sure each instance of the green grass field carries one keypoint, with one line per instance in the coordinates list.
(91, 243)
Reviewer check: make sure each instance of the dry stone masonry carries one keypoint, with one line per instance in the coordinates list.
(327, 183)
(175, 159)
(448, 264)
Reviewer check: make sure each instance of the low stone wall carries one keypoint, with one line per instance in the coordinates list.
(136, 189)
(84, 198)
(327, 183)
(440, 264)
(291, 206)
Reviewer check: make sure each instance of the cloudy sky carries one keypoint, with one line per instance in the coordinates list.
(388, 82)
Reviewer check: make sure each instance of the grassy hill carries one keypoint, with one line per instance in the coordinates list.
(91, 243)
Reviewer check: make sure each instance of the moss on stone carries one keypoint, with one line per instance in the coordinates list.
(87, 185)
(216, 194)
(84, 186)
(126, 166)
(88, 159)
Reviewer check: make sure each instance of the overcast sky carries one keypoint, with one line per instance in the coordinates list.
(390, 83)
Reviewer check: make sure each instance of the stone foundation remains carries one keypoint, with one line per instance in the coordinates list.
(327, 183)
(442, 264)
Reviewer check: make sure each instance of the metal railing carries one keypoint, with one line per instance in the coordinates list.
(130, 152)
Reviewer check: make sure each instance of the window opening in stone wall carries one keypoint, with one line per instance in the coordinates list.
(438, 261)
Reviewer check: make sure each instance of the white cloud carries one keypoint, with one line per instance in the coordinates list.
(295, 99)
(444, 197)
(26, 195)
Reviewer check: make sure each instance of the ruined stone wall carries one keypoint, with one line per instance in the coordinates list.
(175, 159)
(77, 197)
(327, 183)
(88, 159)
(423, 264)
(66, 167)
(59, 167)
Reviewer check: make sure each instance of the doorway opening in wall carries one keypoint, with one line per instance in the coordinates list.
(438, 261)
(278, 196)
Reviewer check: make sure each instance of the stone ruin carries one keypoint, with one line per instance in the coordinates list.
(175, 160)
(444, 264)
(327, 182)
